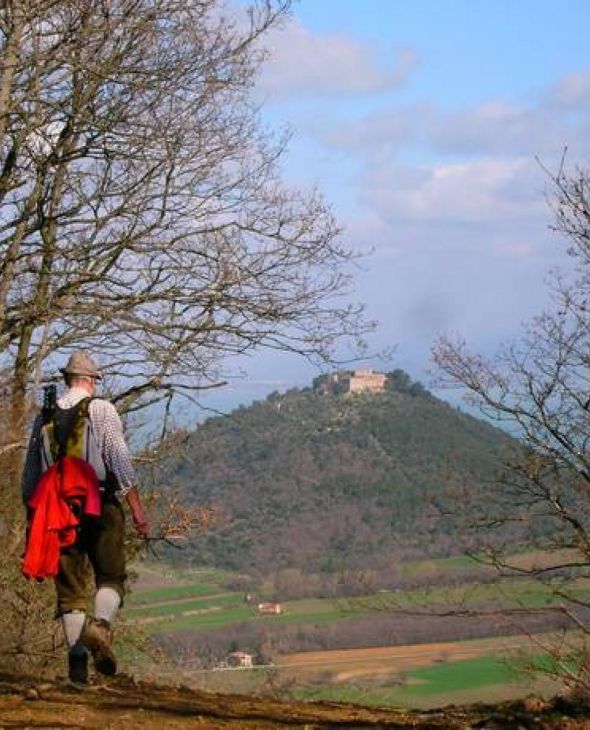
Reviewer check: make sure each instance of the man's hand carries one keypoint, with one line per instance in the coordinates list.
(140, 522)
(142, 526)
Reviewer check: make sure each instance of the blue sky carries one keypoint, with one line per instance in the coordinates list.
(421, 121)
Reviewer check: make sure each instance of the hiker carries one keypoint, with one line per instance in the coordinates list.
(76, 469)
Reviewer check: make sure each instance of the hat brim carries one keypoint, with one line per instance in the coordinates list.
(82, 374)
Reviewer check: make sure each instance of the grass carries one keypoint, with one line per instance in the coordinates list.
(468, 679)
(221, 601)
(453, 566)
(235, 614)
(231, 615)
(437, 566)
(460, 675)
(520, 592)
(173, 593)
(218, 607)
(224, 608)
(442, 680)
(355, 695)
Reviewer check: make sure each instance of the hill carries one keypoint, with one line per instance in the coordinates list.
(327, 482)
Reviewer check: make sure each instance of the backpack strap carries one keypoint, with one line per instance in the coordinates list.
(49, 403)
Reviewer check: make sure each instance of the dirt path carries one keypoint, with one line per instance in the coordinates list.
(124, 703)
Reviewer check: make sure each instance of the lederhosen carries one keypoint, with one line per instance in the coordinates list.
(100, 542)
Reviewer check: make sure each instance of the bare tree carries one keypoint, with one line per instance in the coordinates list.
(143, 216)
(538, 386)
(142, 212)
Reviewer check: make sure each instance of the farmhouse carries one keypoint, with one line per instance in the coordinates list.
(270, 608)
(240, 659)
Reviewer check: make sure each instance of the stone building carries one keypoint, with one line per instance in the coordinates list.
(240, 659)
(351, 381)
(366, 381)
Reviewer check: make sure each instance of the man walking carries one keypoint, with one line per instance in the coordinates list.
(86, 428)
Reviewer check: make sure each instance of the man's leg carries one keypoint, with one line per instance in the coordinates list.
(106, 604)
(107, 556)
(73, 623)
(71, 586)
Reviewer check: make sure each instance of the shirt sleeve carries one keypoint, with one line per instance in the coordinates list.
(115, 451)
(32, 469)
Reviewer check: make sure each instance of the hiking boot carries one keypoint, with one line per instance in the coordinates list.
(97, 637)
(78, 663)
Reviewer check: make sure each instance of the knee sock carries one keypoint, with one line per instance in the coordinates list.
(106, 603)
(73, 623)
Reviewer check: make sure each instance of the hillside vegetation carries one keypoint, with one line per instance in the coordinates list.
(327, 483)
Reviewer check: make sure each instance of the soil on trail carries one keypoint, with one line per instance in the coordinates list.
(26, 702)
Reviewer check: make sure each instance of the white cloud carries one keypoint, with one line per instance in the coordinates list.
(479, 191)
(304, 63)
(551, 120)
(475, 165)
(383, 132)
(572, 90)
(495, 127)
(453, 201)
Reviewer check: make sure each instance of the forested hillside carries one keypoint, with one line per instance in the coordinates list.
(323, 482)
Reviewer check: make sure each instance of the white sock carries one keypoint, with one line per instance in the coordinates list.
(73, 623)
(106, 603)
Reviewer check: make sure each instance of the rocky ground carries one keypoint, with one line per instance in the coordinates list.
(26, 702)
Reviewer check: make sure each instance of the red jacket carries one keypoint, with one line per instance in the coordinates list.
(52, 524)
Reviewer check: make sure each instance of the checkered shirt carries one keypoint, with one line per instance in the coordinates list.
(107, 431)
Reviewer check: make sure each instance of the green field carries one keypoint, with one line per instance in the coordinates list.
(183, 584)
(506, 593)
(437, 567)
(204, 604)
(417, 686)
(459, 675)
(454, 567)
(199, 601)
(312, 611)
(486, 678)
(219, 601)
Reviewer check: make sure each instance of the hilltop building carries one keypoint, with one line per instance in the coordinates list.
(351, 381)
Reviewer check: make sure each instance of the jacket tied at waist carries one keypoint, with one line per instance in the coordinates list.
(52, 522)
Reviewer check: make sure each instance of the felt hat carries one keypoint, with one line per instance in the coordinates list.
(80, 363)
